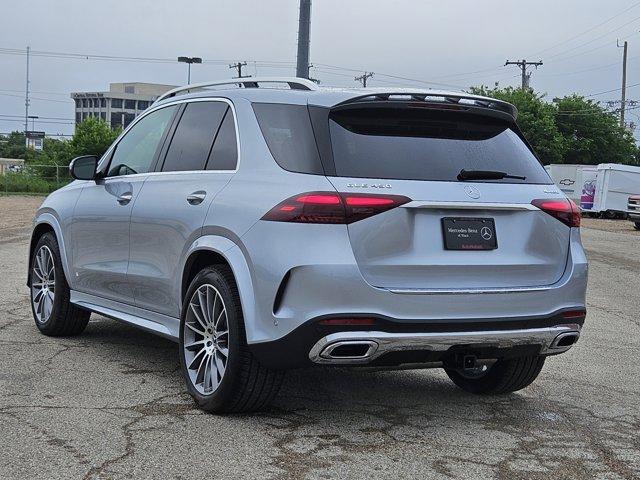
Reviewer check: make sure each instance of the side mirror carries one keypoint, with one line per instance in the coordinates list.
(84, 168)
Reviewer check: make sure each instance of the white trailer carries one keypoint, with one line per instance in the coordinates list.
(586, 183)
(615, 183)
(565, 176)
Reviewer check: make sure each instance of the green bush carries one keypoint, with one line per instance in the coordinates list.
(28, 183)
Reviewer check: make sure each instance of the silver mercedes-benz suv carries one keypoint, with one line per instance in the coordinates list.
(268, 224)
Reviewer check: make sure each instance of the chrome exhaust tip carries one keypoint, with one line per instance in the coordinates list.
(349, 350)
(564, 341)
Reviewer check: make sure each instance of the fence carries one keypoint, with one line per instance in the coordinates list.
(35, 179)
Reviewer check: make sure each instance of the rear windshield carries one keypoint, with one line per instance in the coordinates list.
(420, 144)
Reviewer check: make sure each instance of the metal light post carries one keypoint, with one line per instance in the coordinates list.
(33, 122)
(189, 61)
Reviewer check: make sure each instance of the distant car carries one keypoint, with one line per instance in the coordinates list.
(633, 209)
(272, 228)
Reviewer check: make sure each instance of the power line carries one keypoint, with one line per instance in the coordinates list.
(585, 31)
(611, 91)
(36, 98)
(555, 55)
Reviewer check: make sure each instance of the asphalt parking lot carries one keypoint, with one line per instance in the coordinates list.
(111, 403)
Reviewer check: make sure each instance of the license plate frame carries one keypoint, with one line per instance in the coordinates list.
(469, 233)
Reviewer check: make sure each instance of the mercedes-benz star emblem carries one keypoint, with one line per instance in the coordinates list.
(472, 192)
(486, 233)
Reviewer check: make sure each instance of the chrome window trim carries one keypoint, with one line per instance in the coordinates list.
(149, 111)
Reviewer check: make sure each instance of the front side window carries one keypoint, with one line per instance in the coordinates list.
(137, 149)
(194, 136)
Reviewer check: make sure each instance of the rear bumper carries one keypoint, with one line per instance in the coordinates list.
(392, 342)
(366, 347)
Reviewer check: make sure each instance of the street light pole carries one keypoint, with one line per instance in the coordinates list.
(189, 61)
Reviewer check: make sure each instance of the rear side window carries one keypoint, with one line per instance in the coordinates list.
(194, 136)
(289, 136)
(420, 144)
(224, 154)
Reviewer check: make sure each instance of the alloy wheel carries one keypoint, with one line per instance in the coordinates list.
(43, 283)
(206, 339)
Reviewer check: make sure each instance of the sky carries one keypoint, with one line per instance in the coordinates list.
(450, 44)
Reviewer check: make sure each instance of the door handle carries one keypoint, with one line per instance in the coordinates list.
(196, 198)
(125, 198)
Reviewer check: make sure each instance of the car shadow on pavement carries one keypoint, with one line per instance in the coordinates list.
(323, 388)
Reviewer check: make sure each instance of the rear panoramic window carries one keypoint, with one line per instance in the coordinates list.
(420, 144)
(289, 136)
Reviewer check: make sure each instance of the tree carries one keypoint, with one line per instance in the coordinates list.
(593, 135)
(92, 137)
(536, 119)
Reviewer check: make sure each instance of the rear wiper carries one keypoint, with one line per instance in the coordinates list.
(486, 175)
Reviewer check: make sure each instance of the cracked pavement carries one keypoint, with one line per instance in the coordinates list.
(111, 403)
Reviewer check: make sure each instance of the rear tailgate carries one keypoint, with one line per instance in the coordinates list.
(453, 234)
(404, 248)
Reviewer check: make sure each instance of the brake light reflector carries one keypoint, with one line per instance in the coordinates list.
(347, 321)
(562, 209)
(332, 207)
(569, 314)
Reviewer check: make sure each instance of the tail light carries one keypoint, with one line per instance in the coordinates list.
(562, 209)
(332, 207)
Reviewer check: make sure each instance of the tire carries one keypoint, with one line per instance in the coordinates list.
(57, 318)
(242, 384)
(636, 225)
(505, 376)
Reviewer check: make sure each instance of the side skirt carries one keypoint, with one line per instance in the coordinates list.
(157, 323)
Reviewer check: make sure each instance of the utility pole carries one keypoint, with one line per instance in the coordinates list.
(238, 66)
(363, 78)
(26, 99)
(623, 100)
(524, 65)
(304, 39)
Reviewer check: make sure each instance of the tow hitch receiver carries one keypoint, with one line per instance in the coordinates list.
(469, 362)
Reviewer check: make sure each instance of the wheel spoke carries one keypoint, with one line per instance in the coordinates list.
(199, 372)
(206, 381)
(48, 305)
(39, 267)
(210, 304)
(222, 334)
(194, 360)
(189, 346)
(200, 320)
(37, 273)
(202, 300)
(219, 317)
(191, 327)
(224, 351)
(220, 366)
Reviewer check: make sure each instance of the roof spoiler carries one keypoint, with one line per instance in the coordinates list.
(435, 98)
